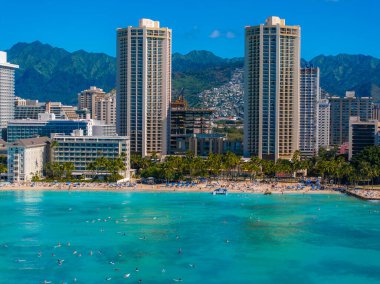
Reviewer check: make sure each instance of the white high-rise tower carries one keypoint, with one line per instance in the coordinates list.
(7, 91)
(309, 97)
(272, 74)
(144, 86)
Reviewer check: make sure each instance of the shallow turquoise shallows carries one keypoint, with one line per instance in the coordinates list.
(101, 237)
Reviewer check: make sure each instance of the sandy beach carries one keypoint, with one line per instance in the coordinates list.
(233, 187)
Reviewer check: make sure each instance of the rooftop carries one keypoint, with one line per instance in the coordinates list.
(89, 138)
(274, 20)
(149, 23)
(31, 142)
(4, 63)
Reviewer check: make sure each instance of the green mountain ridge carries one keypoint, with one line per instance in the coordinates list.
(53, 74)
(360, 73)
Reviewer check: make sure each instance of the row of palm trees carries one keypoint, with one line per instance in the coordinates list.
(58, 171)
(229, 166)
(328, 165)
(101, 167)
(112, 168)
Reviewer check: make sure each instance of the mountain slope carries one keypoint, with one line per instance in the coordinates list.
(50, 73)
(349, 72)
(201, 70)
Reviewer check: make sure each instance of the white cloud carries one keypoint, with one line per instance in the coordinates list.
(230, 35)
(219, 34)
(215, 34)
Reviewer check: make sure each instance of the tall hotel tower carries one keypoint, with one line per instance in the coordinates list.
(271, 102)
(7, 92)
(144, 86)
(309, 98)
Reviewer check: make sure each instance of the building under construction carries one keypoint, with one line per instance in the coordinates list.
(185, 122)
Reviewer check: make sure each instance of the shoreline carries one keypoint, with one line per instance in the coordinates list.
(234, 188)
(237, 188)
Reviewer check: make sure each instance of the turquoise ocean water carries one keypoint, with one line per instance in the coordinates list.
(188, 238)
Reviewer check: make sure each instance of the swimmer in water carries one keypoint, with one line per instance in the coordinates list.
(137, 270)
(177, 280)
(180, 251)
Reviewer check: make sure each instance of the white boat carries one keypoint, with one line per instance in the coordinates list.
(220, 191)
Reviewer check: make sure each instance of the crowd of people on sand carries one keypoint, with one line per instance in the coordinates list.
(243, 186)
(199, 185)
(66, 186)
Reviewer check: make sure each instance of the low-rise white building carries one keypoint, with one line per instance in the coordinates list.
(27, 158)
(82, 150)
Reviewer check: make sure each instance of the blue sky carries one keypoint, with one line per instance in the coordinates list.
(328, 26)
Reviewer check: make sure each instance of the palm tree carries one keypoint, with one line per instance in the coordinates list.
(3, 169)
(214, 164)
(200, 167)
(253, 166)
(231, 161)
(268, 168)
(69, 167)
(285, 166)
(341, 168)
